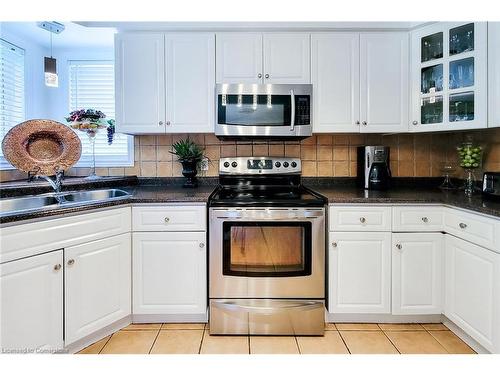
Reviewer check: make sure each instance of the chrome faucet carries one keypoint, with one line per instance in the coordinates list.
(56, 183)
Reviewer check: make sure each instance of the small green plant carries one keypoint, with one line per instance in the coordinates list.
(187, 150)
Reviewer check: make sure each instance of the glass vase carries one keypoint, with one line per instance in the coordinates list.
(469, 182)
(91, 134)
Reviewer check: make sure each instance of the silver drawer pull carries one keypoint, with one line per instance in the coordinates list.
(362, 219)
(296, 305)
(57, 267)
(399, 246)
(71, 262)
(334, 244)
(425, 219)
(202, 245)
(167, 219)
(462, 225)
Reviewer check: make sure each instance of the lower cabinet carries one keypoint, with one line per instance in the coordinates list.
(31, 291)
(97, 285)
(359, 272)
(169, 273)
(472, 298)
(417, 276)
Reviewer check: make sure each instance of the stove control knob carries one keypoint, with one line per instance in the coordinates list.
(294, 164)
(226, 164)
(285, 164)
(277, 164)
(234, 164)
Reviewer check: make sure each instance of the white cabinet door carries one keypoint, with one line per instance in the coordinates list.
(472, 298)
(335, 79)
(493, 74)
(169, 273)
(417, 273)
(287, 58)
(360, 272)
(384, 73)
(239, 58)
(97, 285)
(190, 67)
(140, 83)
(31, 291)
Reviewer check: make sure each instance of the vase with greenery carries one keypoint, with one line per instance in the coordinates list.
(190, 156)
(470, 156)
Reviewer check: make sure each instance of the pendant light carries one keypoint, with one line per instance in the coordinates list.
(50, 63)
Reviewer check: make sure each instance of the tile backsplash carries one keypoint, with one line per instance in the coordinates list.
(419, 155)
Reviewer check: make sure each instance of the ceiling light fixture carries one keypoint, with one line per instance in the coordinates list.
(50, 64)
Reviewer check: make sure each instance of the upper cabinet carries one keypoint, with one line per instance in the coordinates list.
(263, 58)
(164, 82)
(494, 74)
(448, 77)
(360, 82)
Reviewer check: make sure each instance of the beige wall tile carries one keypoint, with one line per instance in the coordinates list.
(353, 170)
(406, 152)
(164, 169)
(292, 151)
(277, 150)
(330, 343)
(211, 139)
(368, 342)
(244, 150)
(117, 171)
(98, 171)
(422, 168)
(163, 153)
(406, 169)
(356, 139)
(176, 169)
(148, 169)
(325, 168)
(309, 168)
(147, 140)
(341, 169)
(178, 342)
(273, 345)
(130, 342)
(133, 171)
(340, 153)
(341, 139)
(325, 153)
(415, 342)
(148, 153)
(310, 141)
(96, 347)
(325, 139)
(308, 152)
(227, 151)
(451, 342)
(224, 344)
(212, 152)
(260, 150)
(164, 140)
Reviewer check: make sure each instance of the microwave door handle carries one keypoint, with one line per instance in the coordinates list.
(292, 115)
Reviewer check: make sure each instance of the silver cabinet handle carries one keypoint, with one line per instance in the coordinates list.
(71, 262)
(415, 122)
(167, 219)
(425, 219)
(266, 76)
(259, 75)
(398, 246)
(357, 122)
(168, 123)
(292, 115)
(362, 219)
(462, 225)
(160, 123)
(365, 123)
(334, 244)
(57, 267)
(202, 245)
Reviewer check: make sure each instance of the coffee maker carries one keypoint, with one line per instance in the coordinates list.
(373, 167)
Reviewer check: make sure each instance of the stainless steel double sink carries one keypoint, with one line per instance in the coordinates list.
(33, 203)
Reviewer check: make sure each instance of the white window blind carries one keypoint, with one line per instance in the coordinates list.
(91, 85)
(12, 101)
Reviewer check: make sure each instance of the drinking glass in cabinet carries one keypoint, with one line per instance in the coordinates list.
(431, 111)
(462, 107)
(432, 79)
(432, 47)
(462, 73)
(462, 39)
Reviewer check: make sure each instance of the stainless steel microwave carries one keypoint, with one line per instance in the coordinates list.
(263, 111)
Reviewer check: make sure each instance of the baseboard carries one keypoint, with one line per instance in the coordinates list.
(170, 318)
(98, 335)
(478, 348)
(381, 318)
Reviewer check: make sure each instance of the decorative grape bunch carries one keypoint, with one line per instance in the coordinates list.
(469, 155)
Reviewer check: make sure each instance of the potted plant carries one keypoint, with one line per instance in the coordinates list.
(190, 155)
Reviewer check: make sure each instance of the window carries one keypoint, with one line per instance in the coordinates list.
(91, 85)
(12, 102)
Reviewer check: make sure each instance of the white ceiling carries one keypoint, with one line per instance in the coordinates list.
(74, 35)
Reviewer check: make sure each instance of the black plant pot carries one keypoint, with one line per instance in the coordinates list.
(189, 170)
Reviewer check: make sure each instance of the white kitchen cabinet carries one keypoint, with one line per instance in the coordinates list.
(448, 76)
(190, 79)
(359, 272)
(417, 273)
(165, 82)
(287, 58)
(31, 291)
(169, 273)
(493, 74)
(97, 285)
(335, 79)
(384, 69)
(140, 83)
(239, 58)
(472, 297)
(263, 58)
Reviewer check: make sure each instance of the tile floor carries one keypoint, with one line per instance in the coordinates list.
(345, 338)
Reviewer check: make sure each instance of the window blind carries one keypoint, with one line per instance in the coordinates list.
(12, 101)
(91, 85)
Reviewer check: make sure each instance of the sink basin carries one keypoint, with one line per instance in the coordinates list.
(33, 203)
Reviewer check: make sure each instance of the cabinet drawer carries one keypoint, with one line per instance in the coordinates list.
(366, 218)
(169, 218)
(417, 219)
(23, 240)
(481, 230)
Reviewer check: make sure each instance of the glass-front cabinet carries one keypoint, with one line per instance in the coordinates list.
(448, 68)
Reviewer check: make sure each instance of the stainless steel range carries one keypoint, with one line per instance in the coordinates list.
(267, 250)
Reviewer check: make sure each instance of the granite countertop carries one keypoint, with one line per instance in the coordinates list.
(157, 190)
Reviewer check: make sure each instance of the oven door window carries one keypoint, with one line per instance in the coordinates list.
(267, 249)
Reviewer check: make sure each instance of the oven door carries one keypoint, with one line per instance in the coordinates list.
(263, 110)
(267, 253)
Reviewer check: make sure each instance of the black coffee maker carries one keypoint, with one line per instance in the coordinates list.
(373, 167)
